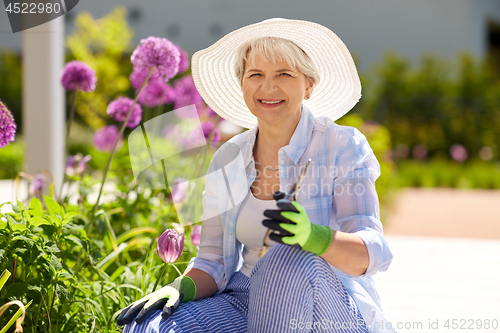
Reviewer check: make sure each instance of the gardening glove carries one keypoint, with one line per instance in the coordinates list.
(294, 226)
(169, 297)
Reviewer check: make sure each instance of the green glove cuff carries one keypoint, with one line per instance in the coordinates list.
(319, 239)
(186, 287)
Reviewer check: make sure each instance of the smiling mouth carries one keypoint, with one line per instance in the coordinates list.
(270, 102)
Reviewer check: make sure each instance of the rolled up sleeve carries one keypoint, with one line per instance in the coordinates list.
(355, 200)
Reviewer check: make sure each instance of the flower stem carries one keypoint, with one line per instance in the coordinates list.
(66, 148)
(122, 129)
(71, 117)
(160, 276)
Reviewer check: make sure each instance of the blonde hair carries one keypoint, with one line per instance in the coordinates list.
(276, 49)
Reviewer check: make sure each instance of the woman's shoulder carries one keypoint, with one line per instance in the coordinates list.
(341, 134)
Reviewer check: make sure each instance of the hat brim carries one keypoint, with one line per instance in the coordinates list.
(339, 89)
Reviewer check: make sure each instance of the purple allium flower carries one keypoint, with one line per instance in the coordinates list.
(76, 164)
(156, 54)
(184, 59)
(419, 152)
(137, 78)
(104, 139)
(486, 153)
(154, 93)
(458, 152)
(179, 189)
(7, 126)
(196, 234)
(170, 95)
(38, 183)
(118, 110)
(170, 245)
(77, 75)
(207, 127)
(186, 94)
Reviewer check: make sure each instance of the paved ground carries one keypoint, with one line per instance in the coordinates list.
(435, 279)
(446, 247)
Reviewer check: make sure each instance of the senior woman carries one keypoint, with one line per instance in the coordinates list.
(286, 81)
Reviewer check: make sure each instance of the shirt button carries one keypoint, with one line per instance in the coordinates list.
(281, 152)
(282, 162)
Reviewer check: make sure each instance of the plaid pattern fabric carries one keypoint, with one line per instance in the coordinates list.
(338, 191)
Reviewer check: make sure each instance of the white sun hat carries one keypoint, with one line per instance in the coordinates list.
(339, 89)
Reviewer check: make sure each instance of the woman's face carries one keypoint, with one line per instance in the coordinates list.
(274, 91)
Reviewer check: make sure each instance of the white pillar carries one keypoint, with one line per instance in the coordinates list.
(44, 99)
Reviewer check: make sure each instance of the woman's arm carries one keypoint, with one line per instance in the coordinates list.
(348, 253)
(359, 248)
(205, 283)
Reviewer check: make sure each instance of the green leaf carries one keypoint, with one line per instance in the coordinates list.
(25, 240)
(16, 289)
(54, 262)
(35, 207)
(34, 287)
(53, 207)
(19, 227)
(54, 220)
(5, 276)
(65, 274)
(52, 247)
(62, 291)
(35, 204)
(38, 220)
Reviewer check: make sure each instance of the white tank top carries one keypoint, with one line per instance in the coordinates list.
(250, 231)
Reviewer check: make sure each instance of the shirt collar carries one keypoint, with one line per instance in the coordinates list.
(297, 145)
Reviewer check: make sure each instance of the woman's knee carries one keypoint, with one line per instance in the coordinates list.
(285, 256)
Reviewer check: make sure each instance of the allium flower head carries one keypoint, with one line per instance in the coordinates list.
(187, 94)
(419, 152)
(156, 54)
(170, 95)
(7, 126)
(38, 183)
(170, 245)
(154, 93)
(207, 127)
(77, 75)
(196, 234)
(104, 139)
(76, 164)
(184, 59)
(118, 110)
(137, 78)
(458, 152)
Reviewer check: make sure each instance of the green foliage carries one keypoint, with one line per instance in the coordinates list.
(442, 173)
(437, 104)
(80, 273)
(104, 44)
(11, 76)
(11, 159)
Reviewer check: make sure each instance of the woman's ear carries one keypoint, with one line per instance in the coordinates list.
(310, 87)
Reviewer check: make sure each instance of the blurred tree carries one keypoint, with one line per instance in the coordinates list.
(105, 45)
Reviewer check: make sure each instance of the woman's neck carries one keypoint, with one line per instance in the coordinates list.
(271, 137)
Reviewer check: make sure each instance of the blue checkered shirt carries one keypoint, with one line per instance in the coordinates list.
(339, 192)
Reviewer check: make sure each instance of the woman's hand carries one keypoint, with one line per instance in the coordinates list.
(292, 222)
(169, 297)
